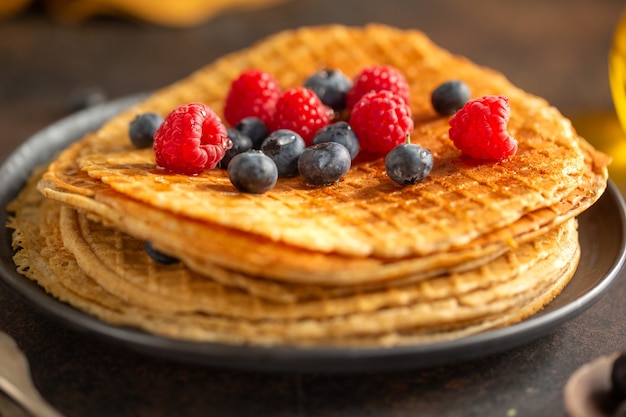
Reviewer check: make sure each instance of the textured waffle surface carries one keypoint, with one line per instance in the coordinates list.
(363, 262)
(365, 214)
(104, 272)
(123, 267)
(273, 260)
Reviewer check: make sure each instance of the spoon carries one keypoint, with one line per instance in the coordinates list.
(16, 385)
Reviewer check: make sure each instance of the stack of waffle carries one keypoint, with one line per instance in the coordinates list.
(364, 262)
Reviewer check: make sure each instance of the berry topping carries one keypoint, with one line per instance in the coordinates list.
(299, 109)
(381, 121)
(255, 129)
(191, 139)
(450, 97)
(141, 129)
(479, 129)
(324, 163)
(378, 78)
(241, 143)
(408, 163)
(284, 147)
(331, 86)
(159, 256)
(253, 93)
(339, 132)
(253, 172)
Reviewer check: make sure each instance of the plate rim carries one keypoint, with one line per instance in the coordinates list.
(274, 358)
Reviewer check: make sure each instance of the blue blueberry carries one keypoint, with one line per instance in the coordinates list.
(253, 172)
(408, 163)
(450, 97)
(284, 146)
(324, 163)
(241, 144)
(339, 132)
(331, 86)
(141, 129)
(159, 256)
(255, 129)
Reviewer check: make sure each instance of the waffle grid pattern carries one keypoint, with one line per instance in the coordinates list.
(364, 262)
(435, 314)
(549, 164)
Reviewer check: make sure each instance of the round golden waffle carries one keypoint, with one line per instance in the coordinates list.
(108, 273)
(273, 260)
(365, 228)
(364, 262)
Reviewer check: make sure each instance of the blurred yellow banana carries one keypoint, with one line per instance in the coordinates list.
(10, 8)
(179, 13)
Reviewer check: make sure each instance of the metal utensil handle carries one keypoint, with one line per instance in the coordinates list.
(16, 382)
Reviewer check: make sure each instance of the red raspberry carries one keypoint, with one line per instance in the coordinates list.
(252, 94)
(381, 120)
(479, 129)
(378, 78)
(300, 109)
(191, 139)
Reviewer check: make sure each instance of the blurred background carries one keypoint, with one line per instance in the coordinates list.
(59, 55)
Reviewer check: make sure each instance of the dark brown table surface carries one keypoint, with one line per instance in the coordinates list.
(555, 49)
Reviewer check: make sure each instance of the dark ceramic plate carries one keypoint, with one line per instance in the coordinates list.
(602, 237)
